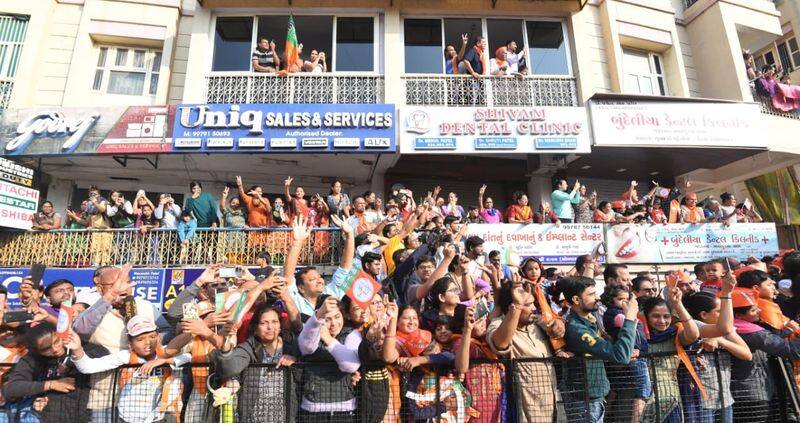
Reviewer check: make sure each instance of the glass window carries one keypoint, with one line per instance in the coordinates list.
(355, 38)
(128, 83)
(643, 73)
(313, 32)
(232, 44)
(423, 46)
(794, 51)
(783, 54)
(769, 58)
(547, 49)
(127, 77)
(502, 31)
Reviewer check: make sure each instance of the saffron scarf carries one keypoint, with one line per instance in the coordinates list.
(675, 333)
(412, 344)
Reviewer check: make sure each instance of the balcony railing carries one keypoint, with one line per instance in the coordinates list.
(331, 88)
(6, 87)
(768, 108)
(465, 91)
(161, 247)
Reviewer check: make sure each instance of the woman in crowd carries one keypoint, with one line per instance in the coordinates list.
(604, 213)
(444, 298)
(319, 217)
(484, 381)
(338, 202)
(121, 211)
(145, 219)
(714, 318)
(668, 337)
(486, 208)
(452, 208)
(753, 383)
(327, 393)
(232, 243)
(584, 210)
(520, 211)
(298, 205)
(262, 396)
(46, 219)
(202, 205)
(531, 272)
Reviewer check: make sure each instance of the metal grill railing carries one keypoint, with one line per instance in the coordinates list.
(6, 89)
(768, 108)
(162, 247)
(495, 91)
(520, 390)
(327, 88)
(689, 3)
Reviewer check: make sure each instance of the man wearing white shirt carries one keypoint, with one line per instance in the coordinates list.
(512, 57)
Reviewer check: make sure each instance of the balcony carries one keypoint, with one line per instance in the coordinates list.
(161, 247)
(328, 88)
(768, 109)
(465, 91)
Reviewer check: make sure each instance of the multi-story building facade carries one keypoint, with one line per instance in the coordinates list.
(661, 64)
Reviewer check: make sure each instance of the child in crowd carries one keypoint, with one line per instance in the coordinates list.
(148, 393)
(186, 227)
(615, 298)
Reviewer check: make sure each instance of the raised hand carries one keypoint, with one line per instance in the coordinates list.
(469, 321)
(329, 306)
(238, 181)
(482, 190)
(342, 223)
(300, 229)
(450, 251)
(209, 275)
(225, 191)
(288, 181)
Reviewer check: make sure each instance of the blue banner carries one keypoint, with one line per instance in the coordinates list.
(285, 128)
(148, 283)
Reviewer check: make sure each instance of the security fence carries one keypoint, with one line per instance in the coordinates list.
(654, 388)
(162, 247)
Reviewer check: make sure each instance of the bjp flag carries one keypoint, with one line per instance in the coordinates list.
(363, 289)
(292, 51)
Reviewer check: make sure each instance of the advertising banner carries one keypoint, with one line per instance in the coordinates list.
(494, 130)
(148, 283)
(685, 243)
(549, 243)
(15, 173)
(82, 130)
(641, 123)
(17, 205)
(284, 128)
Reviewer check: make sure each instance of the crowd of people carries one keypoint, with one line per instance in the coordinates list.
(445, 331)
(773, 83)
(267, 60)
(252, 208)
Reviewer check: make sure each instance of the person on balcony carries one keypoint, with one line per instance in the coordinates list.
(316, 63)
(120, 211)
(486, 207)
(749, 65)
(499, 66)
(516, 61)
(46, 219)
(265, 58)
(563, 200)
(520, 211)
(98, 219)
(475, 59)
(690, 211)
(232, 214)
(167, 211)
(297, 203)
(766, 84)
(202, 206)
(338, 201)
(452, 59)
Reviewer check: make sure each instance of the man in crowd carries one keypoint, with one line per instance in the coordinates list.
(583, 338)
(643, 287)
(617, 274)
(563, 200)
(265, 58)
(474, 60)
(57, 292)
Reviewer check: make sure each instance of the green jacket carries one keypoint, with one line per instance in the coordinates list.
(583, 339)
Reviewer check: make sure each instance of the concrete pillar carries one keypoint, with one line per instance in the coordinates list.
(539, 189)
(59, 192)
(383, 163)
(393, 65)
(200, 51)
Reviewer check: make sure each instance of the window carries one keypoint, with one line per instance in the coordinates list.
(127, 71)
(783, 54)
(769, 58)
(355, 44)
(547, 48)
(795, 52)
(423, 46)
(233, 41)
(644, 73)
(348, 42)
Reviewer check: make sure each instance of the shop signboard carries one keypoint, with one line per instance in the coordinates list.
(284, 128)
(687, 243)
(642, 123)
(550, 243)
(148, 283)
(15, 173)
(17, 205)
(475, 130)
(81, 130)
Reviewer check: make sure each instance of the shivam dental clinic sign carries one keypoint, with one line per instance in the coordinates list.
(641, 123)
(288, 128)
(466, 130)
